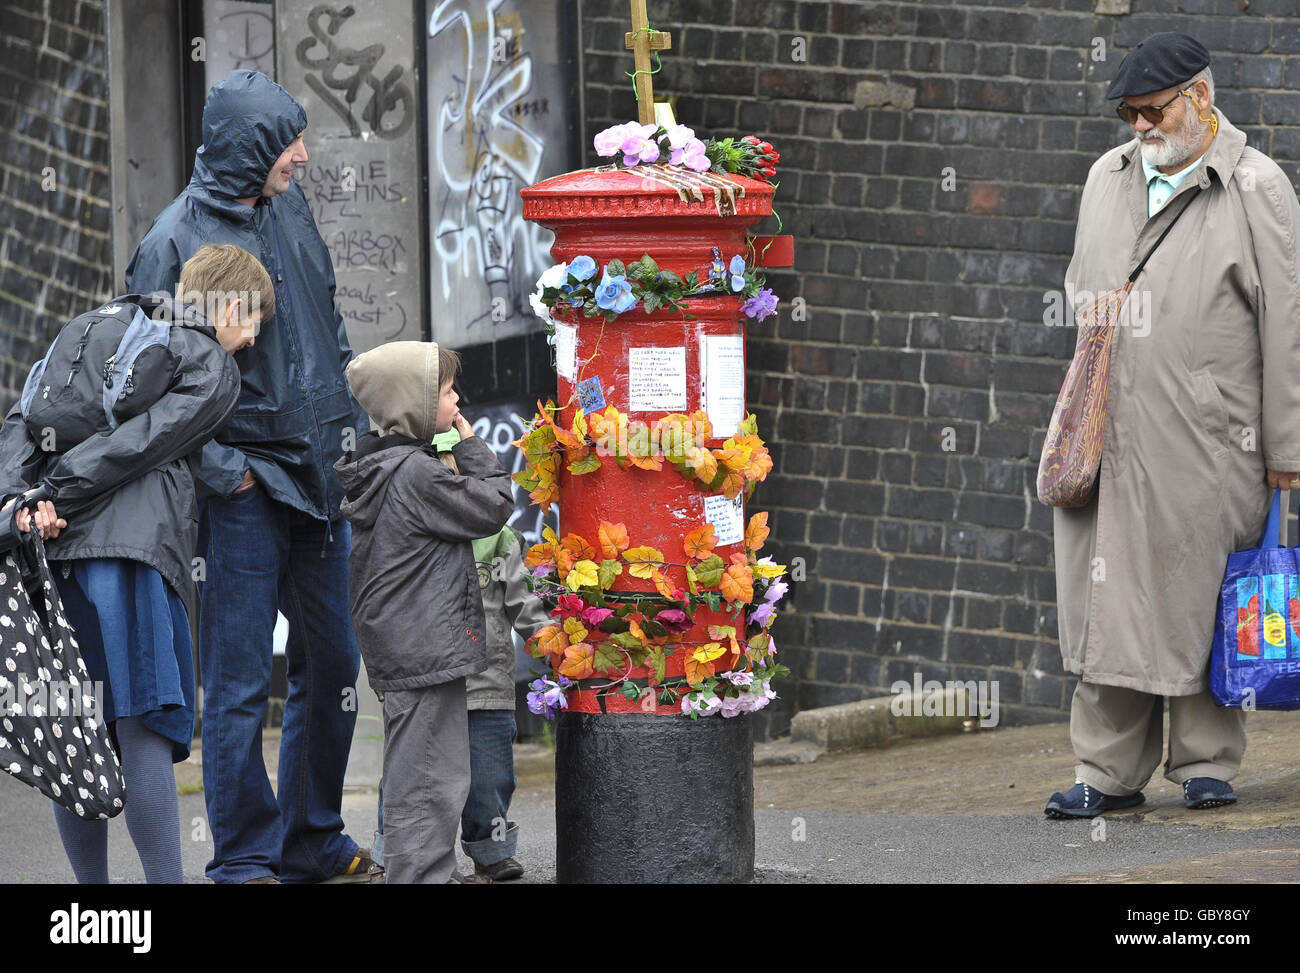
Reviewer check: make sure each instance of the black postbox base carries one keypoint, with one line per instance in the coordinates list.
(654, 799)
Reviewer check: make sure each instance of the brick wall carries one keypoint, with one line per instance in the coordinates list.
(55, 216)
(925, 299)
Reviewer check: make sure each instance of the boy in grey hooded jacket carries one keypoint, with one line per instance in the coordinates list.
(414, 590)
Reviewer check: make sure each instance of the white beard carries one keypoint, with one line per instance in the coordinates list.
(1174, 148)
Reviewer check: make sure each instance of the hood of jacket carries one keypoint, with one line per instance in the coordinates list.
(248, 122)
(397, 385)
(366, 471)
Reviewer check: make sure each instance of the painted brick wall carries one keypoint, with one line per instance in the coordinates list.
(925, 300)
(55, 220)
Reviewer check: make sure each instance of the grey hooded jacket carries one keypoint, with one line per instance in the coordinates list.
(414, 586)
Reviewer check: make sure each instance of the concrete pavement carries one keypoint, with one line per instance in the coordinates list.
(963, 808)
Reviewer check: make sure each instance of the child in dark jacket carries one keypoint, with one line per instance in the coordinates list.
(414, 590)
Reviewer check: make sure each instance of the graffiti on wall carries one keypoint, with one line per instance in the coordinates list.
(496, 119)
(351, 66)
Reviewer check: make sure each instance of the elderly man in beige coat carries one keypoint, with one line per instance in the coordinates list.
(1203, 421)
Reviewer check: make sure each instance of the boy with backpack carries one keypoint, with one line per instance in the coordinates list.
(414, 590)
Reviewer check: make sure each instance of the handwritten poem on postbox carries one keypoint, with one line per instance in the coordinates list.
(656, 379)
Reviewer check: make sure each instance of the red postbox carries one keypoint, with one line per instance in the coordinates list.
(641, 360)
(644, 794)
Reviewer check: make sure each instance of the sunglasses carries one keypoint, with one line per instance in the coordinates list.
(1155, 114)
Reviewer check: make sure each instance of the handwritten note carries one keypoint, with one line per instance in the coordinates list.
(727, 518)
(722, 374)
(566, 349)
(656, 379)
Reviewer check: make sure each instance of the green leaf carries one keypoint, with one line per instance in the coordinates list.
(713, 600)
(637, 656)
(749, 427)
(657, 660)
(591, 309)
(607, 659)
(653, 629)
(652, 302)
(630, 692)
(648, 266)
(670, 278)
(615, 267)
(690, 580)
(588, 464)
(709, 571)
(609, 570)
(627, 640)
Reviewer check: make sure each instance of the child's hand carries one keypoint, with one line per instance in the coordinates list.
(464, 428)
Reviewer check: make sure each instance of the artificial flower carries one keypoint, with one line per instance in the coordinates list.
(582, 268)
(762, 305)
(614, 293)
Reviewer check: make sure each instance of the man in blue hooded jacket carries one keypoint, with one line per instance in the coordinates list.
(271, 536)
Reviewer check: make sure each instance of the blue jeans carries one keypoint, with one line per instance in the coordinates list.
(491, 786)
(486, 835)
(261, 556)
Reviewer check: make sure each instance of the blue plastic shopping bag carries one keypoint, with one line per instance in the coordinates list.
(1255, 662)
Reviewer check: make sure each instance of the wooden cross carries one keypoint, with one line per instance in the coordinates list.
(641, 41)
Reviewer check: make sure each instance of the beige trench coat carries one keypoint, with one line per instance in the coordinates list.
(1204, 396)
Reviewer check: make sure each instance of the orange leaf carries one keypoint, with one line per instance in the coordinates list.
(549, 640)
(662, 583)
(577, 661)
(704, 463)
(760, 460)
(757, 531)
(643, 560)
(701, 427)
(579, 547)
(732, 484)
(699, 543)
(738, 584)
(564, 561)
(700, 664)
(612, 539)
(539, 555)
(732, 458)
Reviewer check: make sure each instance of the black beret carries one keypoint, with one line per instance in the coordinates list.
(1161, 61)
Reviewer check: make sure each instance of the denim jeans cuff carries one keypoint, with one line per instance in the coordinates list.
(488, 851)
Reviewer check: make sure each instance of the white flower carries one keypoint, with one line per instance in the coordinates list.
(539, 308)
(555, 276)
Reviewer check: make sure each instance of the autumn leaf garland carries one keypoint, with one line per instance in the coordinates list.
(597, 632)
(740, 463)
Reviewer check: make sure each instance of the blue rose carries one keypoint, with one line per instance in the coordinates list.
(615, 293)
(582, 268)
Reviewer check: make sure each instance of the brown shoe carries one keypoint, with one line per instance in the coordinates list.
(262, 880)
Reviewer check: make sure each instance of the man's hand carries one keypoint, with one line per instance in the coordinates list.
(247, 483)
(1287, 481)
(465, 429)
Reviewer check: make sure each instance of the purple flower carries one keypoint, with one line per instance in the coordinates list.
(763, 305)
(542, 570)
(547, 697)
(737, 678)
(762, 615)
(776, 591)
(693, 703)
(609, 141)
